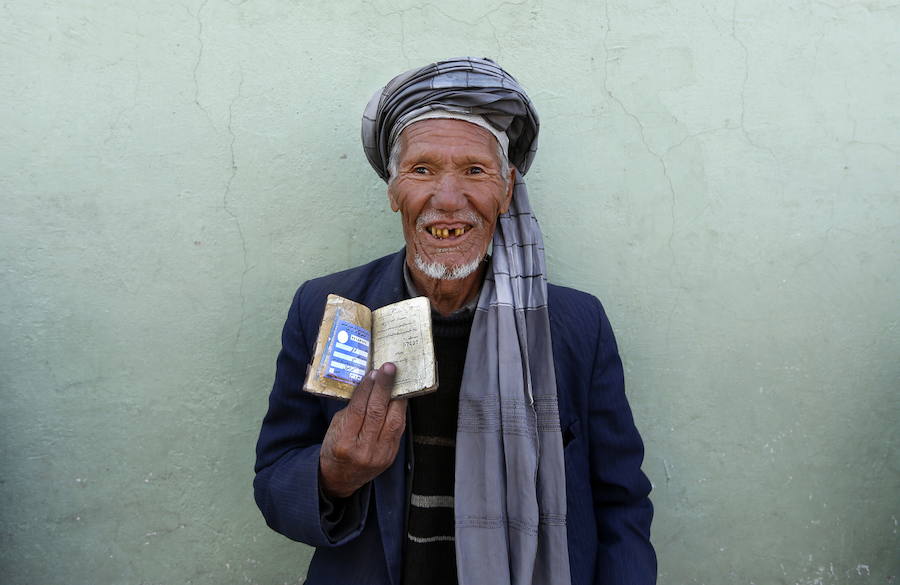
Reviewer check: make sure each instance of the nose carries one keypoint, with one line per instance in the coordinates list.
(448, 193)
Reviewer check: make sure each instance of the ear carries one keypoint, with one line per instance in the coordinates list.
(510, 186)
(392, 198)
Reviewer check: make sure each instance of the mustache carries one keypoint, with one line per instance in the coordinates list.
(431, 216)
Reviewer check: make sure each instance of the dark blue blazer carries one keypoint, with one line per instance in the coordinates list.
(360, 541)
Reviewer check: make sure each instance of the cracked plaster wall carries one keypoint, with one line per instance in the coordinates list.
(724, 175)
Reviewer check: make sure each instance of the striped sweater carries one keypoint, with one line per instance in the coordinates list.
(429, 555)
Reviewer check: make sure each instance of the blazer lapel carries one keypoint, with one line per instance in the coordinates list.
(388, 286)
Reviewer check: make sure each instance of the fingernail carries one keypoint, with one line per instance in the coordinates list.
(373, 374)
(389, 368)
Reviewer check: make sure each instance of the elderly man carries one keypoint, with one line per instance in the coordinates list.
(524, 466)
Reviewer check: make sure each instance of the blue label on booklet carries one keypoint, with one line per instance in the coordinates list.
(348, 352)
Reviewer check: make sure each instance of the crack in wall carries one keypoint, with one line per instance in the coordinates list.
(419, 8)
(403, 40)
(199, 19)
(681, 142)
(746, 80)
(127, 109)
(496, 38)
(642, 132)
(476, 21)
(227, 208)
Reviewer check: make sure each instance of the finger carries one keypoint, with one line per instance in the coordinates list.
(379, 399)
(394, 422)
(356, 409)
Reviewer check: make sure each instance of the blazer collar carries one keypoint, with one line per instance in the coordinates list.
(388, 286)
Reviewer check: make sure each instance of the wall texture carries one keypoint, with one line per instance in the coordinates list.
(724, 175)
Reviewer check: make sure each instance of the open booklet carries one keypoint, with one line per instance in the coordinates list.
(353, 339)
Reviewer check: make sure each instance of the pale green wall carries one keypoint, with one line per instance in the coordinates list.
(724, 175)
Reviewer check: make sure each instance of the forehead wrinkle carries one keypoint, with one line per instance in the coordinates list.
(447, 138)
(448, 126)
(456, 155)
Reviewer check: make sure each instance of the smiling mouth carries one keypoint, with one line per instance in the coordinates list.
(450, 233)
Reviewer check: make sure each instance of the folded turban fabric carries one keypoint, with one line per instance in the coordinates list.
(467, 85)
(501, 137)
(510, 491)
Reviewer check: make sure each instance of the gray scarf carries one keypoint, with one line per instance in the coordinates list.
(510, 489)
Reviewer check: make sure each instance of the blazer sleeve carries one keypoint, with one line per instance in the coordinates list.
(286, 486)
(620, 489)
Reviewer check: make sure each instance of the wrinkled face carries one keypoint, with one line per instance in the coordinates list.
(449, 190)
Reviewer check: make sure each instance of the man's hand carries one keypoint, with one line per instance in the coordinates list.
(363, 438)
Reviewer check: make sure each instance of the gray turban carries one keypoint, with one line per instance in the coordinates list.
(466, 86)
(510, 487)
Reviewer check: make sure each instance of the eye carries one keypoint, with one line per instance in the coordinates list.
(475, 170)
(420, 170)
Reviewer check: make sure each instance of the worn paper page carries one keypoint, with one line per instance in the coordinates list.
(402, 335)
(343, 349)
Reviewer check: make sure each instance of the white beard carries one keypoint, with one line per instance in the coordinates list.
(440, 271)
